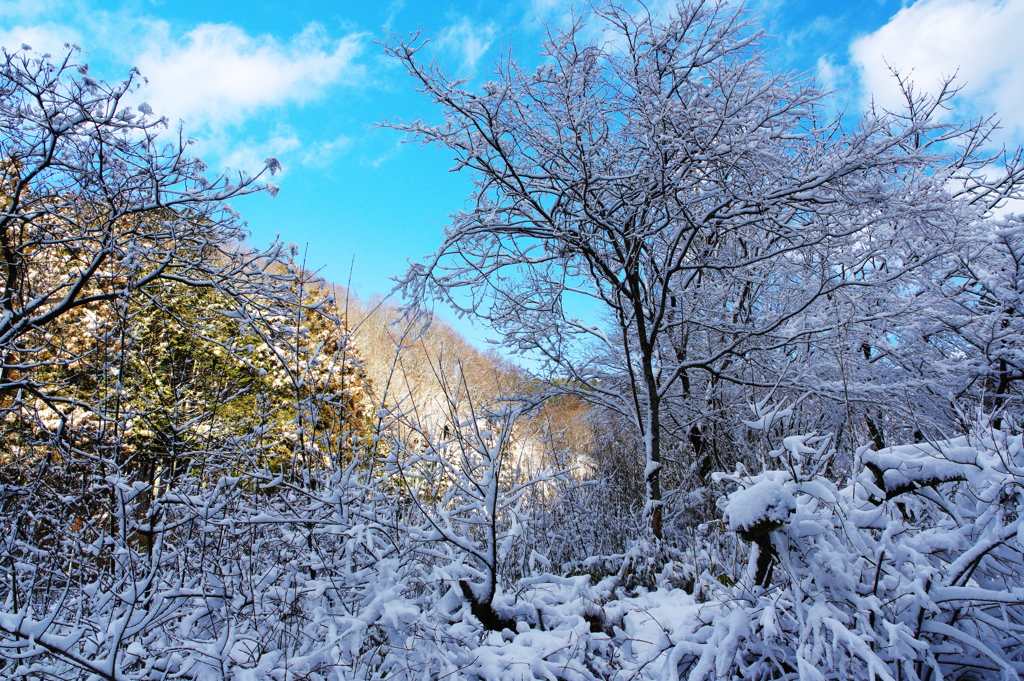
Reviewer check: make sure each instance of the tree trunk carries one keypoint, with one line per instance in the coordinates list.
(652, 450)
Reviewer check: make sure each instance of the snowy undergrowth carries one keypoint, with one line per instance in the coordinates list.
(913, 571)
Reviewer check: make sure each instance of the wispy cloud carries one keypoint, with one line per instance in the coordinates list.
(248, 155)
(322, 154)
(394, 8)
(31, 9)
(232, 151)
(544, 11)
(470, 41)
(42, 38)
(381, 159)
(933, 39)
(830, 75)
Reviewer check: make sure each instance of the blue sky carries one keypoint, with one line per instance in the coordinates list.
(305, 82)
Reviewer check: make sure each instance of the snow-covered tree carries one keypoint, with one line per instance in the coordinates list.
(967, 339)
(705, 209)
(98, 202)
(158, 379)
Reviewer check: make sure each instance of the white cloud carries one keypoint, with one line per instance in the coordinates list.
(218, 74)
(47, 25)
(42, 38)
(933, 39)
(214, 75)
(29, 9)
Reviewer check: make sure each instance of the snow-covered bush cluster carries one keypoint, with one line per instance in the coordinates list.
(912, 570)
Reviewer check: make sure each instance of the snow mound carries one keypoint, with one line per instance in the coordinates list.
(764, 506)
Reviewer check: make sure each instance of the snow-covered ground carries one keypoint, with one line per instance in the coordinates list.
(913, 570)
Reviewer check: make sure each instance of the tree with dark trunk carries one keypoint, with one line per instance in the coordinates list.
(657, 174)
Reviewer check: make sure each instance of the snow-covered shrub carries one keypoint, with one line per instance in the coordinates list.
(912, 571)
